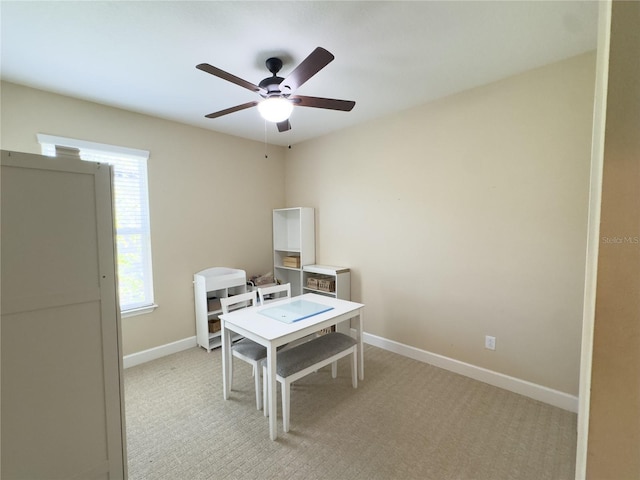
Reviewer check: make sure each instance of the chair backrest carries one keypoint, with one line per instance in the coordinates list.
(274, 292)
(241, 300)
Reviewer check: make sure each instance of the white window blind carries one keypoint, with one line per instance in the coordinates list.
(131, 207)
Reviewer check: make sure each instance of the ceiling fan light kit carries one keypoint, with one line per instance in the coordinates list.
(277, 92)
(275, 109)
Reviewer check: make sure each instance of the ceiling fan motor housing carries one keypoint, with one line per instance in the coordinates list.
(272, 84)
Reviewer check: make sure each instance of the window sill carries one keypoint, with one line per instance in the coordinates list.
(138, 311)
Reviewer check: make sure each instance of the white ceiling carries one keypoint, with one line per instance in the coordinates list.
(389, 56)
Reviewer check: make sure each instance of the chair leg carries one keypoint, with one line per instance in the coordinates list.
(256, 370)
(265, 395)
(231, 373)
(354, 367)
(286, 403)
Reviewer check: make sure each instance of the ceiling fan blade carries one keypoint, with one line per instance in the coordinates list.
(284, 126)
(237, 108)
(205, 67)
(318, 102)
(316, 61)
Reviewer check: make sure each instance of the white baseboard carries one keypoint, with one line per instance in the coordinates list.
(158, 352)
(516, 385)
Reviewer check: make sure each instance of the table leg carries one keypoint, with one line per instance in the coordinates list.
(226, 361)
(273, 405)
(360, 347)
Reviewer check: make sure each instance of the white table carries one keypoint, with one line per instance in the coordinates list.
(273, 333)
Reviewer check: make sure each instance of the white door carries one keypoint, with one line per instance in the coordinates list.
(62, 399)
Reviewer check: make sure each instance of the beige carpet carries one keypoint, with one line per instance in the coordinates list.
(407, 420)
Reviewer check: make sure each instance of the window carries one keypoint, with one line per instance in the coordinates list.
(131, 207)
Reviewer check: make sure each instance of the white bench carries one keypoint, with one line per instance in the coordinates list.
(294, 363)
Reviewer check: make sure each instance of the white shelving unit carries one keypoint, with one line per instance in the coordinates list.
(293, 237)
(338, 282)
(210, 286)
(339, 276)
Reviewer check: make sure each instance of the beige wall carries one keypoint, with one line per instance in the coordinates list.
(460, 218)
(211, 196)
(614, 420)
(466, 217)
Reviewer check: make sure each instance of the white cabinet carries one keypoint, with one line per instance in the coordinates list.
(327, 280)
(294, 244)
(330, 281)
(210, 286)
(62, 389)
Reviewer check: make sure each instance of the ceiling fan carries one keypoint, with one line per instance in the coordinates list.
(277, 92)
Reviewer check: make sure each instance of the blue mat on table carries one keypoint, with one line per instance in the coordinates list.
(295, 311)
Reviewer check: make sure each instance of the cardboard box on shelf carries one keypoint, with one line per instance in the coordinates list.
(214, 325)
(293, 262)
(213, 304)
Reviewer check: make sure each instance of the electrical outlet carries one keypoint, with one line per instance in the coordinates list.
(489, 342)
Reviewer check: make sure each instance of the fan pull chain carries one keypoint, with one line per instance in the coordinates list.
(265, 140)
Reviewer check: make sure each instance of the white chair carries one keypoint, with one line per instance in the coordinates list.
(247, 350)
(297, 362)
(273, 293)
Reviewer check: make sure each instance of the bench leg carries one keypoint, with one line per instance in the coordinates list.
(256, 372)
(334, 369)
(354, 367)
